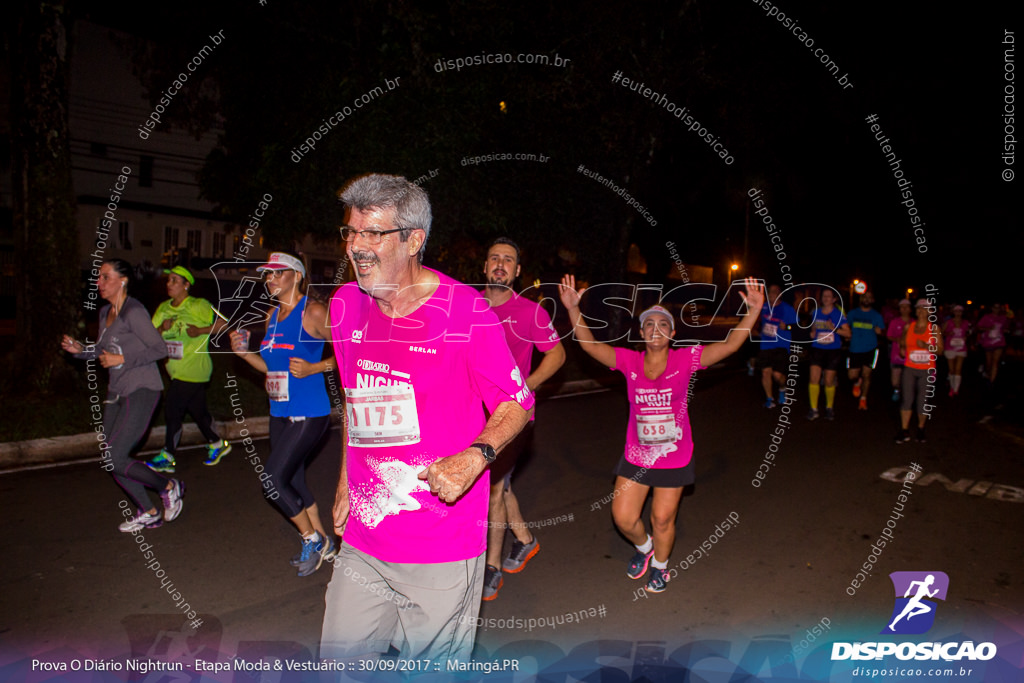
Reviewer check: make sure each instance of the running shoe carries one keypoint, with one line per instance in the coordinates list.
(172, 500)
(312, 555)
(769, 403)
(830, 414)
(492, 583)
(520, 554)
(856, 389)
(216, 451)
(812, 414)
(162, 462)
(863, 403)
(920, 435)
(782, 397)
(895, 395)
(142, 520)
(638, 565)
(329, 553)
(903, 436)
(750, 368)
(656, 584)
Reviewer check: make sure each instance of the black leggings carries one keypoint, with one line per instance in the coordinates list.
(125, 421)
(187, 397)
(292, 444)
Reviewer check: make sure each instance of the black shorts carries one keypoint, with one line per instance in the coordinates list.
(862, 359)
(663, 478)
(506, 461)
(776, 359)
(827, 359)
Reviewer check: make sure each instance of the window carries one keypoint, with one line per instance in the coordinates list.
(145, 171)
(195, 242)
(170, 238)
(218, 244)
(124, 235)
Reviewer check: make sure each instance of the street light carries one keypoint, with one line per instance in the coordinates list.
(734, 267)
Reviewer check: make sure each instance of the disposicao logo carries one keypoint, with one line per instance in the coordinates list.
(916, 592)
(914, 613)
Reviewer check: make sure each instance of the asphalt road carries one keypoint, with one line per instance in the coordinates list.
(74, 587)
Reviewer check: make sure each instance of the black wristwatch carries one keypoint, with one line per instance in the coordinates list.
(487, 450)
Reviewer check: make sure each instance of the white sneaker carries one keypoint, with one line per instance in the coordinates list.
(142, 520)
(172, 500)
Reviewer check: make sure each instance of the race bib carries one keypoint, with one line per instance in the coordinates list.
(825, 337)
(175, 350)
(382, 416)
(656, 429)
(277, 385)
(957, 343)
(920, 356)
(770, 331)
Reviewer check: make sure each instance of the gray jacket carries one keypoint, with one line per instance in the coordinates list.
(133, 336)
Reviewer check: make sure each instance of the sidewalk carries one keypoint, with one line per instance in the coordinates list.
(84, 447)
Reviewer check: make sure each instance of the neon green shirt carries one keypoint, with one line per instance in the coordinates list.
(188, 358)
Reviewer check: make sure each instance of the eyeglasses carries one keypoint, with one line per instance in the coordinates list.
(271, 274)
(372, 237)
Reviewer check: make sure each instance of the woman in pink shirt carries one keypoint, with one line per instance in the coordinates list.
(956, 331)
(659, 447)
(992, 330)
(896, 360)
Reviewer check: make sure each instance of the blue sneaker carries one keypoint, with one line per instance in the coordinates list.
(312, 555)
(162, 462)
(659, 577)
(638, 565)
(330, 552)
(782, 397)
(769, 403)
(216, 451)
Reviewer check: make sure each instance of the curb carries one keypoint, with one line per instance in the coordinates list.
(64, 449)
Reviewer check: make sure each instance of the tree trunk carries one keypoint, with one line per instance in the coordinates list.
(46, 239)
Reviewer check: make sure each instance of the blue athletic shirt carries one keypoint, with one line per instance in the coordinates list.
(824, 329)
(862, 329)
(291, 396)
(772, 337)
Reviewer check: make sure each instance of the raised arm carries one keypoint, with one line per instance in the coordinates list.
(754, 299)
(599, 351)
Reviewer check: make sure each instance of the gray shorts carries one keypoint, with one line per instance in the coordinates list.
(427, 611)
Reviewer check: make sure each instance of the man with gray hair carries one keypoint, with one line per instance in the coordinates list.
(419, 355)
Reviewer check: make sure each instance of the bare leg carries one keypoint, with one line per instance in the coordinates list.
(664, 510)
(626, 509)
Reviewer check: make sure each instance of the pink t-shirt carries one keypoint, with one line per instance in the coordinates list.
(658, 436)
(992, 331)
(415, 392)
(955, 337)
(894, 333)
(526, 325)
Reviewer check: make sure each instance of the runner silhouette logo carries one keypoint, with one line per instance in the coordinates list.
(916, 593)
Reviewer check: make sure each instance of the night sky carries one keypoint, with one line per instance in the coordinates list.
(934, 79)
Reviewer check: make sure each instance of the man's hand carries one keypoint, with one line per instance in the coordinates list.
(452, 476)
(340, 510)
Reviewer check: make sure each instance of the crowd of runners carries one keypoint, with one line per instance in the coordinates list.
(439, 383)
(924, 345)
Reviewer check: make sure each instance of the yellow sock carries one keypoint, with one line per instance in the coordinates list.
(830, 396)
(815, 388)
